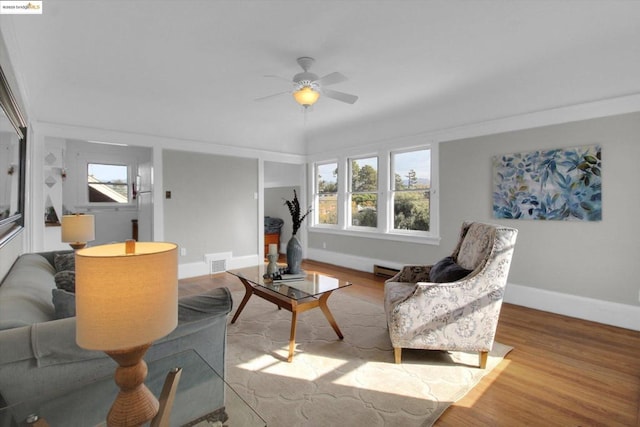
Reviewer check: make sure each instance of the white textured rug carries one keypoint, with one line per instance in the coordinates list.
(353, 382)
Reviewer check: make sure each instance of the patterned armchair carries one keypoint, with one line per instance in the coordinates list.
(462, 314)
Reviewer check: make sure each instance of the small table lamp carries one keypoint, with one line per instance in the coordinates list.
(126, 298)
(77, 230)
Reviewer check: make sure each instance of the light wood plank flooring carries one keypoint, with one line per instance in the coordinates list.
(562, 371)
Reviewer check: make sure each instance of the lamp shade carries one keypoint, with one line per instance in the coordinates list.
(124, 300)
(306, 96)
(78, 228)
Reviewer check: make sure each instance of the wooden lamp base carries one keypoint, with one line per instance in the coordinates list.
(135, 405)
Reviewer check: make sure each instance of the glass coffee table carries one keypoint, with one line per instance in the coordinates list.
(297, 296)
(202, 399)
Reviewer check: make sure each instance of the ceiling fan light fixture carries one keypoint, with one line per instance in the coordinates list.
(306, 96)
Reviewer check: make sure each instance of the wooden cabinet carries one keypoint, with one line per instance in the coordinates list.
(271, 238)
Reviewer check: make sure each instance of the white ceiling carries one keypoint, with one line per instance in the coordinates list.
(191, 69)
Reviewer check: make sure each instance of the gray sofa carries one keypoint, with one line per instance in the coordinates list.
(39, 354)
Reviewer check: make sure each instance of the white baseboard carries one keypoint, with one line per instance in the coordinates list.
(349, 261)
(609, 313)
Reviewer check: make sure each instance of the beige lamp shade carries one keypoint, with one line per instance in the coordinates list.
(306, 96)
(78, 228)
(124, 300)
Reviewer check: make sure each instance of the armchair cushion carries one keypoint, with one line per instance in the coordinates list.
(446, 271)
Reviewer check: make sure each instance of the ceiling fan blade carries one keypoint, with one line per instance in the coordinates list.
(331, 79)
(264, 98)
(340, 96)
(278, 77)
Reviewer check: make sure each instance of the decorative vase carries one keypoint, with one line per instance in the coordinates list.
(294, 255)
(272, 267)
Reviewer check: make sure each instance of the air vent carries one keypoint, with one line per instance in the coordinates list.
(218, 266)
(218, 263)
(382, 271)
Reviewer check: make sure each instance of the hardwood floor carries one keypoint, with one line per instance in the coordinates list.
(561, 372)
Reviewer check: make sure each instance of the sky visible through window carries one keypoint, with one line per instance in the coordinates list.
(419, 161)
(108, 173)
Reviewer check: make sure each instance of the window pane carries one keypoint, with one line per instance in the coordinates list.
(108, 183)
(328, 209)
(412, 184)
(327, 178)
(363, 186)
(327, 189)
(411, 210)
(364, 174)
(411, 170)
(364, 209)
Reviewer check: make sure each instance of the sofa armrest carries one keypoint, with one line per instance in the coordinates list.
(412, 274)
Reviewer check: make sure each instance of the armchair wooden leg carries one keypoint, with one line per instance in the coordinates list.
(484, 356)
(397, 354)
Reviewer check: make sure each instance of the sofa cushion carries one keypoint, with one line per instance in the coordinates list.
(446, 271)
(64, 303)
(25, 293)
(65, 261)
(66, 280)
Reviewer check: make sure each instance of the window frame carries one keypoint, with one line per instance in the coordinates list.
(128, 182)
(81, 185)
(384, 230)
(316, 194)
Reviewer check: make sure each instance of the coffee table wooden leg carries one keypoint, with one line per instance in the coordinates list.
(248, 292)
(292, 337)
(327, 313)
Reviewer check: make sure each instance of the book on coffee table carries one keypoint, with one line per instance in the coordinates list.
(290, 278)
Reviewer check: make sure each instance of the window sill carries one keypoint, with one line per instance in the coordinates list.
(397, 237)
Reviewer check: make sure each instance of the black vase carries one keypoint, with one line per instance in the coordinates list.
(294, 255)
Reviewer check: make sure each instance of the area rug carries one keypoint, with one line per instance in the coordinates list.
(350, 382)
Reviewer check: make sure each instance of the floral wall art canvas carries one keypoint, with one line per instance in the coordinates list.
(558, 184)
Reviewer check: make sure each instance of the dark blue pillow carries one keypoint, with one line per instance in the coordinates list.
(64, 303)
(446, 271)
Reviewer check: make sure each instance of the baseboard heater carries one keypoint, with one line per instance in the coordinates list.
(382, 271)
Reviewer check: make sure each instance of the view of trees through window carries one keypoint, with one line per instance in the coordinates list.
(411, 174)
(364, 192)
(327, 193)
(107, 183)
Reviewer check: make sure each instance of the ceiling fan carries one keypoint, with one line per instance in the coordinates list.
(307, 86)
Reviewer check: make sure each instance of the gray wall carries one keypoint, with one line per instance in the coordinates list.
(590, 259)
(213, 206)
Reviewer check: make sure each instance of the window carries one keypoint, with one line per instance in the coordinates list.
(387, 194)
(363, 192)
(107, 183)
(327, 193)
(411, 189)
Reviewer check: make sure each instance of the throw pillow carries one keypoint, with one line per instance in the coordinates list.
(66, 280)
(64, 303)
(65, 261)
(446, 271)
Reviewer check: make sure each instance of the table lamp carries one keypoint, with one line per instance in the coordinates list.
(77, 230)
(126, 298)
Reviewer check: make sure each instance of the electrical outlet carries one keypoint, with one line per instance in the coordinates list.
(324, 245)
(183, 251)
